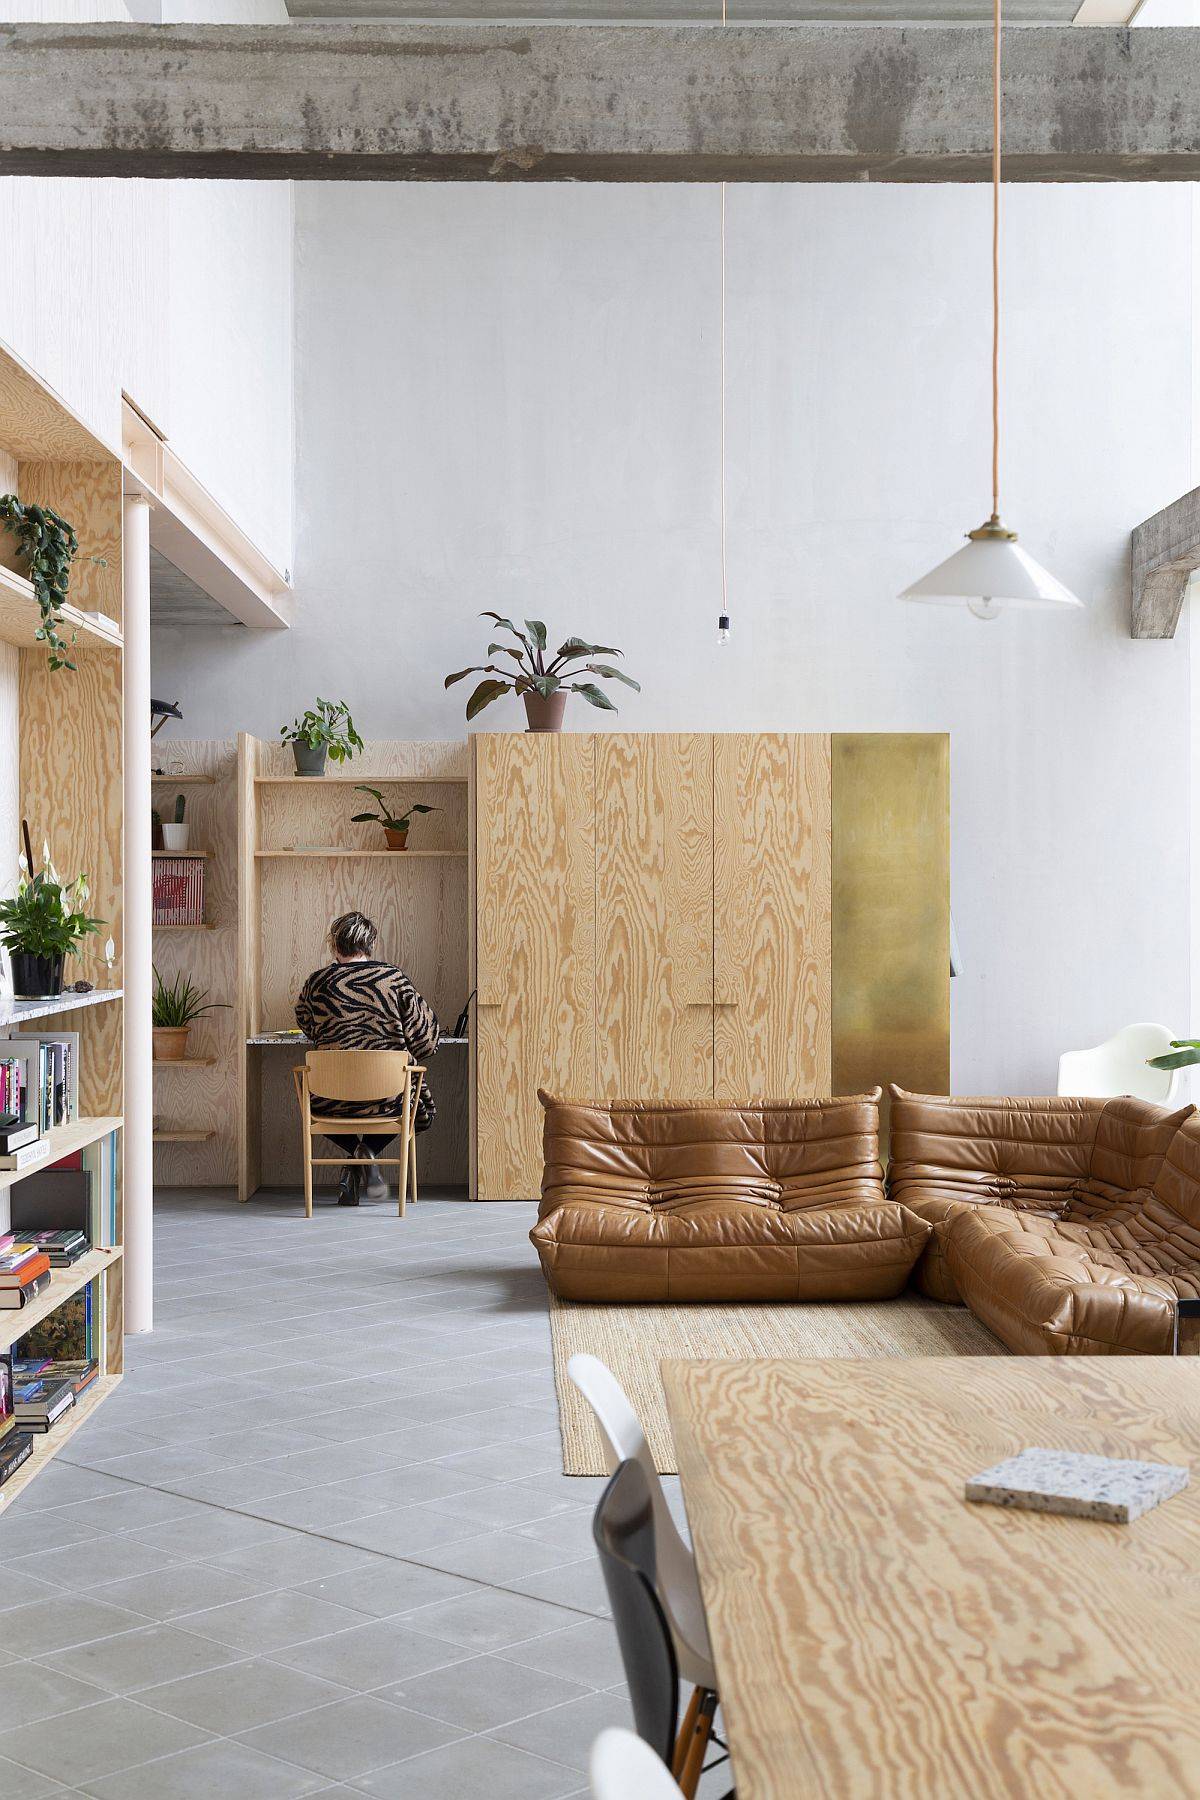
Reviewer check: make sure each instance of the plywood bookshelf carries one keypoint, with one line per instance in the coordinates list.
(61, 767)
(195, 1112)
(418, 898)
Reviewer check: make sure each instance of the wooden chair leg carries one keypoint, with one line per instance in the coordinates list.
(308, 1171)
(405, 1127)
(412, 1165)
(690, 1756)
(684, 1735)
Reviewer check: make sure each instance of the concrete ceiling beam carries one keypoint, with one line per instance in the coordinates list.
(1164, 555)
(597, 102)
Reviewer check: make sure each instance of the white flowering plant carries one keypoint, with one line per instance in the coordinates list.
(46, 916)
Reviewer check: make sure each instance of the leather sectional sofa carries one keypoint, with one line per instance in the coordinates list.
(707, 1202)
(1068, 1226)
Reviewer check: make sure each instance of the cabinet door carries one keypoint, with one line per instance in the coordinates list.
(535, 909)
(654, 949)
(771, 866)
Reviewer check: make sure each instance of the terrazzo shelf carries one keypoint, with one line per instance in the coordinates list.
(1115, 1489)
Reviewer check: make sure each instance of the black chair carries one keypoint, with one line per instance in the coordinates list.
(623, 1528)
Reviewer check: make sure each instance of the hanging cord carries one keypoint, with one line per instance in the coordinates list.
(996, 55)
(723, 621)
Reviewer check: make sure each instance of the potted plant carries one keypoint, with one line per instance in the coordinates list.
(47, 546)
(175, 836)
(174, 1007)
(41, 925)
(395, 826)
(326, 730)
(543, 679)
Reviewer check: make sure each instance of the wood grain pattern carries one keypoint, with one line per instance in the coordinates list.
(535, 842)
(877, 1636)
(71, 752)
(250, 756)
(34, 423)
(419, 904)
(654, 916)
(771, 910)
(208, 1104)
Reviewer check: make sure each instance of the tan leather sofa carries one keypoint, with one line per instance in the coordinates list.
(707, 1202)
(1066, 1225)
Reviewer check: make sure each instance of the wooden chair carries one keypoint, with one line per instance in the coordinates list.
(359, 1075)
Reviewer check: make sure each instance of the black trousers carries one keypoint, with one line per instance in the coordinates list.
(370, 1145)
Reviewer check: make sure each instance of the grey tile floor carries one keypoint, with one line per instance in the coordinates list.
(319, 1541)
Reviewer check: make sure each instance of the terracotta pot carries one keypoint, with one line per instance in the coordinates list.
(396, 840)
(545, 711)
(308, 760)
(170, 1042)
(36, 977)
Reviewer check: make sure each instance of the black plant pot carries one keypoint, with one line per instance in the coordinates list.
(36, 977)
(309, 761)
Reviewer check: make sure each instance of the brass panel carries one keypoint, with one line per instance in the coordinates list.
(891, 911)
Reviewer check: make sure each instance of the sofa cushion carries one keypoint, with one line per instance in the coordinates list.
(707, 1202)
(1047, 1287)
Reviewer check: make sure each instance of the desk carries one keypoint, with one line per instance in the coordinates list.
(877, 1636)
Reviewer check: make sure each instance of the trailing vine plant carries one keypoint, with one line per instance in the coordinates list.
(48, 545)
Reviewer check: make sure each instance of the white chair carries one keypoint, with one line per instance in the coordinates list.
(679, 1588)
(1120, 1066)
(622, 1767)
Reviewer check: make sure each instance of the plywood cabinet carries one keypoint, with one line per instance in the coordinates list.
(535, 885)
(656, 917)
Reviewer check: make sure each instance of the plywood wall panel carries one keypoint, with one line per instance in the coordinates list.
(771, 862)
(654, 916)
(535, 841)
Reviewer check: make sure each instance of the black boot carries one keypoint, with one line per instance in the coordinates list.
(350, 1184)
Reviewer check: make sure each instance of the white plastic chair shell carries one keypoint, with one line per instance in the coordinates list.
(1119, 1066)
(679, 1587)
(622, 1767)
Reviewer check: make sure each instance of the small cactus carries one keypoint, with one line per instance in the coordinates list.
(180, 808)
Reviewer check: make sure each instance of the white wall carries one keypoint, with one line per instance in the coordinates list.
(507, 397)
(180, 293)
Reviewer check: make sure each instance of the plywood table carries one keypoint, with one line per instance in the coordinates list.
(876, 1635)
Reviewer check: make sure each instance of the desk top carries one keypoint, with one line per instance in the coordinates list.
(298, 1041)
(876, 1635)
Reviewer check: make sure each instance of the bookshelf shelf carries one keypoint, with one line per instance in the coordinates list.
(183, 781)
(205, 926)
(64, 1140)
(20, 618)
(19, 1012)
(48, 1445)
(63, 1283)
(184, 1062)
(396, 856)
(182, 1137)
(319, 781)
(175, 854)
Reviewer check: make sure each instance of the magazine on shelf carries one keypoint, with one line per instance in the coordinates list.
(59, 1073)
(40, 1403)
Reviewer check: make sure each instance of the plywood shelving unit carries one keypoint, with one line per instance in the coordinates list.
(61, 767)
(195, 1112)
(417, 897)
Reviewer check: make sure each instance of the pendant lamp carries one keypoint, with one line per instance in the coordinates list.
(992, 570)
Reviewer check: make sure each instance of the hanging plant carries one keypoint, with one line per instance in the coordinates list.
(48, 545)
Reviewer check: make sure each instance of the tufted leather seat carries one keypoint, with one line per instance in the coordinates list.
(1066, 1225)
(708, 1202)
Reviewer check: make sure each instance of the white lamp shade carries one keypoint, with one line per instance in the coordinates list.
(991, 569)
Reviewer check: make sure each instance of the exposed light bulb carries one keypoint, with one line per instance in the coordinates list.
(984, 607)
(723, 628)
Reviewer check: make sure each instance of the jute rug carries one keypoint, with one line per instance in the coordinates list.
(633, 1340)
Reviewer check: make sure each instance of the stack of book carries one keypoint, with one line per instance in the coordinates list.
(62, 1247)
(24, 1274)
(78, 1375)
(40, 1402)
(16, 1446)
(21, 1146)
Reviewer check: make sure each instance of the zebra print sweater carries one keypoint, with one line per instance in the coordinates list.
(369, 1006)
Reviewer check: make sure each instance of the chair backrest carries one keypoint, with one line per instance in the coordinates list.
(622, 1767)
(1120, 1066)
(625, 1441)
(362, 1075)
(623, 1527)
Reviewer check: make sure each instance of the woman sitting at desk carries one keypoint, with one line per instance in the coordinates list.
(359, 1003)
